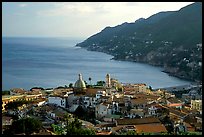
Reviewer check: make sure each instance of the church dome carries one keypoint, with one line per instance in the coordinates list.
(80, 83)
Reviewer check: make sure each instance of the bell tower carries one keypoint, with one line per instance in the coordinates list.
(108, 81)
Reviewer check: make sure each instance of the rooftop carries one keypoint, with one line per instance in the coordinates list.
(150, 128)
(136, 121)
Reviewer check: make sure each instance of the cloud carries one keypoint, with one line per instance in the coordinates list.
(67, 9)
(23, 5)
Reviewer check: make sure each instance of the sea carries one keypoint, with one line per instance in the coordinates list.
(53, 62)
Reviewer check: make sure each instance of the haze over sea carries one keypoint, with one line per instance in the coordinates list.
(53, 62)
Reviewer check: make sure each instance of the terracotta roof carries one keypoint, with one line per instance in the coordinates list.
(175, 104)
(136, 121)
(150, 128)
(91, 91)
(138, 101)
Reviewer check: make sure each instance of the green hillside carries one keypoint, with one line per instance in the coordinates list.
(172, 40)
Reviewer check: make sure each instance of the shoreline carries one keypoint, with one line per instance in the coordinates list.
(165, 71)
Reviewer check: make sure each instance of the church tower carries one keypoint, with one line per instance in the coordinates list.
(108, 81)
(80, 86)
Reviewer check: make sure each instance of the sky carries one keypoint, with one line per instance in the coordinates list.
(74, 19)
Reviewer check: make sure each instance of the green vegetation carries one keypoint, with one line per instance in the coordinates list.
(5, 92)
(129, 132)
(73, 127)
(71, 85)
(167, 39)
(24, 125)
(100, 83)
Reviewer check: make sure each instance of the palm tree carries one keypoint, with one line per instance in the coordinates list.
(90, 80)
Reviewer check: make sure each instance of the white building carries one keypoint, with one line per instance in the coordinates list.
(103, 109)
(89, 101)
(152, 111)
(59, 101)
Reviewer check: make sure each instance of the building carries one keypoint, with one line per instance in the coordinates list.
(58, 100)
(18, 91)
(197, 105)
(150, 128)
(174, 102)
(102, 109)
(80, 86)
(141, 87)
(146, 125)
(10, 98)
(108, 81)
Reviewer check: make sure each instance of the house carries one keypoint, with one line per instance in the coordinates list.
(111, 118)
(197, 105)
(152, 111)
(149, 125)
(140, 87)
(104, 127)
(10, 98)
(6, 120)
(136, 121)
(102, 109)
(136, 113)
(138, 102)
(58, 100)
(174, 102)
(100, 93)
(176, 105)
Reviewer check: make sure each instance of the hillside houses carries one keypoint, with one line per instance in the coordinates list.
(111, 111)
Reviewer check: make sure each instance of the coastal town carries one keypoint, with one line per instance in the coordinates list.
(108, 107)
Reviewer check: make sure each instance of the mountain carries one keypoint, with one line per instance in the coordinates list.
(171, 39)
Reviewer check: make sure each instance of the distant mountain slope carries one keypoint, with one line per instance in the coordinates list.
(171, 39)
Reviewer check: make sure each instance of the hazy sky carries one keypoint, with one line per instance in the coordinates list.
(74, 19)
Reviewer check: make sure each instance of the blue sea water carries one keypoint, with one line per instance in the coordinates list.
(53, 62)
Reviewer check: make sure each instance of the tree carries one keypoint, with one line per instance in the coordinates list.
(57, 129)
(74, 127)
(90, 80)
(100, 83)
(15, 104)
(129, 132)
(6, 92)
(150, 88)
(85, 82)
(24, 125)
(71, 85)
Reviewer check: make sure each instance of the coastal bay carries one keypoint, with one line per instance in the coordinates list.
(53, 62)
